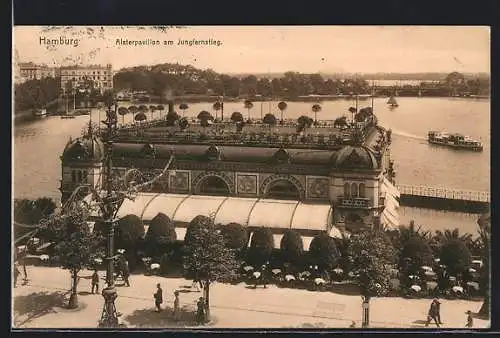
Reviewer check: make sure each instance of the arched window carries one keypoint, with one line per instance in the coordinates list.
(213, 185)
(347, 191)
(354, 190)
(283, 189)
(73, 176)
(362, 190)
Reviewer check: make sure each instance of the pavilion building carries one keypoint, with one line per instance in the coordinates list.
(319, 181)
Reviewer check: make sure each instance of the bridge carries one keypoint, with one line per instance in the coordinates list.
(444, 199)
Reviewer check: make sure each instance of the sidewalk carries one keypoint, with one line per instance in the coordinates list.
(37, 305)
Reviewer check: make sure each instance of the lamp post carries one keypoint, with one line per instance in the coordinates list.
(109, 317)
(365, 321)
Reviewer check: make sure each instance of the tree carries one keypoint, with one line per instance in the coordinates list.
(352, 110)
(417, 252)
(207, 257)
(316, 108)
(455, 255)
(75, 247)
(415, 248)
(363, 114)
(371, 257)
(454, 81)
(303, 123)
(172, 117)
(205, 118)
(292, 247)
(108, 98)
(196, 223)
(440, 238)
(33, 211)
(129, 233)
(217, 106)
(324, 252)
(270, 120)
(161, 233)
(248, 106)
(183, 123)
(152, 108)
(161, 108)
(123, 111)
(343, 247)
(183, 107)
(282, 107)
(261, 246)
(36, 94)
(236, 237)
(237, 117)
(140, 116)
(340, 122)
(484, 223)
(133, 109)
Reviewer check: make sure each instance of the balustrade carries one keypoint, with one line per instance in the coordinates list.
(355, 202)
(466, 195)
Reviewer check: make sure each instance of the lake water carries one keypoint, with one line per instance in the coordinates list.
(38, 145)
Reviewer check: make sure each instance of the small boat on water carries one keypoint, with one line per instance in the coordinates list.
(457, 141)
(67, 116)
(392, 102)
(40, 112)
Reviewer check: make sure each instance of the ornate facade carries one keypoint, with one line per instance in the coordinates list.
(355, 180)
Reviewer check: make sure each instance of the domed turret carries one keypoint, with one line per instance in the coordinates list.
(86, 149)
(359, 157)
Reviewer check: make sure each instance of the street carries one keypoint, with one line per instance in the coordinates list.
(39, 305)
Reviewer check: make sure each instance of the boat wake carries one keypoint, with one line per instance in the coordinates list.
(409, 135)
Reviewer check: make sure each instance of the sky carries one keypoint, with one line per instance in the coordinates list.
(262, 49)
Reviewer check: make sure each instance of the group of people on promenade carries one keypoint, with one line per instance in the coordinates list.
(201, 311)
(435, 314)
(123, 271)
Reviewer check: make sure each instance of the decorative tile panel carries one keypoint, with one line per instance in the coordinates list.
(246, 184)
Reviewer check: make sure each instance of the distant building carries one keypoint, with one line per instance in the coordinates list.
(32, 71)
(101, 75)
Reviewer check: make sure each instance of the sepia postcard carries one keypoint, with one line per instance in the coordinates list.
(264, 177)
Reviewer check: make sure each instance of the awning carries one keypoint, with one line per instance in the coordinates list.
(390, 189)
(390, 215)
(250, 212)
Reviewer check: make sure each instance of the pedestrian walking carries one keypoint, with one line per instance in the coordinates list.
(158, 296)
(264, 275)
(95, 282)
(126, 275)
(433, 313)
(200, 313)
(438, 306)
(25, 272)
(16, 274)
(469, 319)
(177, 308)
